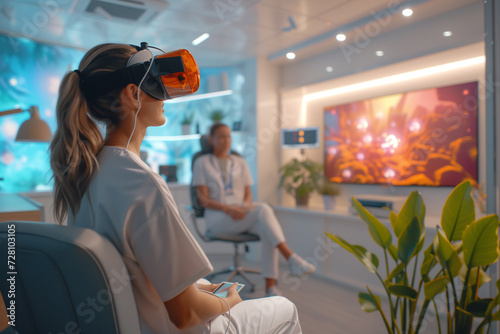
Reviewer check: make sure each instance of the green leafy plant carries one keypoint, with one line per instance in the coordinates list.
(461, 252)
(300, 178)
(217, 115)
(188, 118)
(328, 188)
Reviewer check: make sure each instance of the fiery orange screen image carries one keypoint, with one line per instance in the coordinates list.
(426, 137)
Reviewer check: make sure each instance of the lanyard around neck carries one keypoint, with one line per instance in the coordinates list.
(229, 171)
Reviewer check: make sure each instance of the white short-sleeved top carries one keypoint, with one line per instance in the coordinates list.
(133, 207)
(206, 172)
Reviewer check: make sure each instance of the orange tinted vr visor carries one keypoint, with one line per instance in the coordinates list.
(172, 74)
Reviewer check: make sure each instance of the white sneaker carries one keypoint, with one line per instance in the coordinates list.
(299, 267)
(273, 291)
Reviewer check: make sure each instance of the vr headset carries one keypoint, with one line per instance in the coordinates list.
(172, 74)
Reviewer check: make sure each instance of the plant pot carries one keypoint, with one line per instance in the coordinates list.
(186, 129)
(302, 200)
(329, 202)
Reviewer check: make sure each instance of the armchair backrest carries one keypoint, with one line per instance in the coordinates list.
(66, 279)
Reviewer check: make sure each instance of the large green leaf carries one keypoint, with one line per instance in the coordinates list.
(420, 243)
(408, 240)
(458, 211)
(479, 307)
(393, 218)
(495, 300)
(380, 234)
(496, 316)
(414, 206)
(427, 266)
(446, 253)
(367, 302)
(402, 290)
(372, 256)
(429, 260)
(365, 258)
(393, 252)
(480, 240)
(395, 272)
(473, 279)
(435, 287)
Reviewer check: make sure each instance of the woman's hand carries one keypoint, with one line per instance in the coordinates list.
(233, 297)
(235, 212)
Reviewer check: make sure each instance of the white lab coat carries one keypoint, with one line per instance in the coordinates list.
(133, 207)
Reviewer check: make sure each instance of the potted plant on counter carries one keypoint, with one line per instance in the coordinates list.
(453, 267)
(300, 178)
(186, 123)
(217, 115)
(329, 191)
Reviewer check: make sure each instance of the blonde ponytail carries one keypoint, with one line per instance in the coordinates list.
(78, 140)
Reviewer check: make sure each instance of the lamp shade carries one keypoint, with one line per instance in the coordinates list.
(34, 129)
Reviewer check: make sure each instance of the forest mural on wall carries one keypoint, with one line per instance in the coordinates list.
(30, 74)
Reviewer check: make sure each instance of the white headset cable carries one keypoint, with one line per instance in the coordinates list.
(228, 309)
(139, 98)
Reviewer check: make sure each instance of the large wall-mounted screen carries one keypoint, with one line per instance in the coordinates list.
(426, 137)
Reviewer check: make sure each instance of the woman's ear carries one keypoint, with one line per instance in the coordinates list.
(129, 96)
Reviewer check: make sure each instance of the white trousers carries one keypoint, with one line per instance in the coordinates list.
(272, 315)
(261, 221)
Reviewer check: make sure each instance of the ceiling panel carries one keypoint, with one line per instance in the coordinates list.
(185, 20)
(270, 17)
(238, 28)
(45, 6)
(306, 7)
(304, 31)
(220, 9)
(29, 21)
(350, 11)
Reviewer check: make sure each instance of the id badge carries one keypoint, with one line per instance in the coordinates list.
(231, 199)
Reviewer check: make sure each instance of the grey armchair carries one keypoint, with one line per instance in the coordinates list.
(67, 279)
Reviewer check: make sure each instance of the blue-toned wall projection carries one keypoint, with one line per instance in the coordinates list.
(30, 74)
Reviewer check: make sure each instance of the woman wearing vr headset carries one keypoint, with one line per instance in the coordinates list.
(101, 183)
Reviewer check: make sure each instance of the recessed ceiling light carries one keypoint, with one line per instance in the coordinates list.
(447, 33)
(200, 39)
(407, 12)
(341, 37)
(379, 53)
(329, 69)
(290, 55)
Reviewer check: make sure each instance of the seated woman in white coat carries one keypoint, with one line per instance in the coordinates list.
(223, 185)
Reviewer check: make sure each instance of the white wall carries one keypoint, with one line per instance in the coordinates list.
(268, 131)
(294, 114)
(249, 152)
